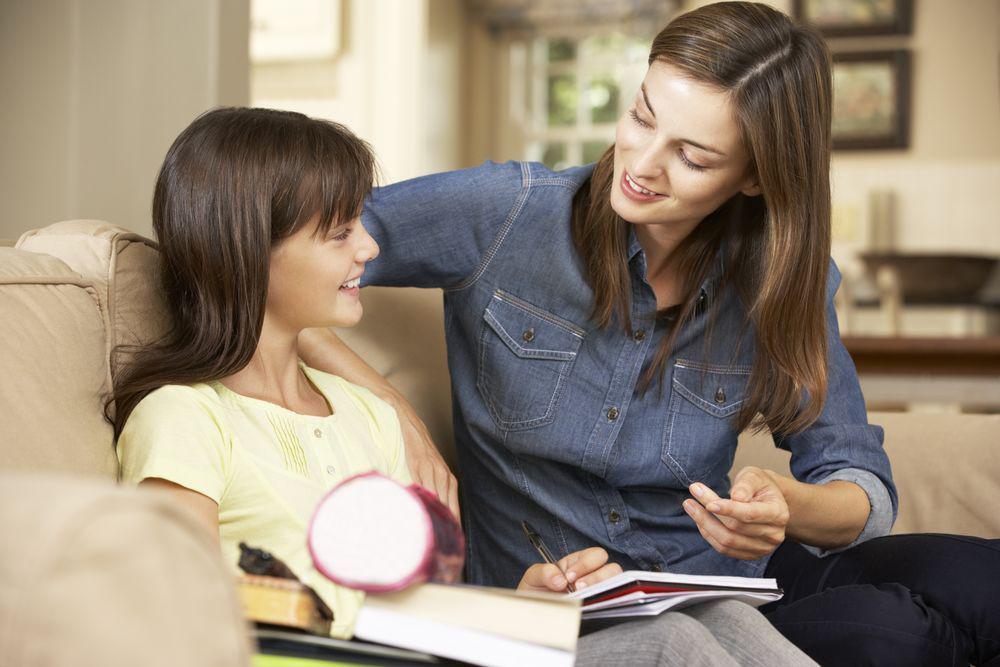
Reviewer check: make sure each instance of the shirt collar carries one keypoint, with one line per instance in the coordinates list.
(637, 259)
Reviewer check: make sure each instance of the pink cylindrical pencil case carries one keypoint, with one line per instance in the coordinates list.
(376, 535)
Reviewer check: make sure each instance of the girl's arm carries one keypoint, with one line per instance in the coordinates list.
(203, 508)
(322, 349)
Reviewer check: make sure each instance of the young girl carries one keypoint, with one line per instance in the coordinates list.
(612, 328)
(256, 212)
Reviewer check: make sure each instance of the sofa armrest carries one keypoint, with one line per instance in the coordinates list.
(93, 574)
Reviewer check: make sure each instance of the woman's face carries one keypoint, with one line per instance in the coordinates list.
(678, 153)
(314, 279)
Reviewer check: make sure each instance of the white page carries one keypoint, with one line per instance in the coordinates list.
(633, 576)
(678, 601)
(480, 648)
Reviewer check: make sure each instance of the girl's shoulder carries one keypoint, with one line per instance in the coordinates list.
(180, 401)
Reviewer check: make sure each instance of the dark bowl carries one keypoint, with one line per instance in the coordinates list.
(937, 278)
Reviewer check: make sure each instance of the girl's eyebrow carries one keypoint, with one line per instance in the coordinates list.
(645, 99)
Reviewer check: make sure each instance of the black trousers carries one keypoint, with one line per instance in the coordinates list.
(896, 600)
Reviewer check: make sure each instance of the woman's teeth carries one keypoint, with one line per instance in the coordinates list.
(351, 284)
(639, 187)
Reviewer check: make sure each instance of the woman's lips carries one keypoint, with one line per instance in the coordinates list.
(634, 194)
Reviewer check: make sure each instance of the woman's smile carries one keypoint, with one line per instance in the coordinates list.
(636, 192)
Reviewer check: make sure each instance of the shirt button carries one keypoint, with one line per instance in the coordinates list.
(318, 433)
(331, 470)
(614, 516)
(612, 414)
(639, 335)
(720, 395)
(528, 335)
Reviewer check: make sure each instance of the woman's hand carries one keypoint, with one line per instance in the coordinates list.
(323, 349)
(750, 524)
(583, 568)
(426, 465)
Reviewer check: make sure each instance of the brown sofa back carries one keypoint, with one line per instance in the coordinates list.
(68, 294)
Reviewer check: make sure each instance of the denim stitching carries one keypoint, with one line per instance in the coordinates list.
(522, 197)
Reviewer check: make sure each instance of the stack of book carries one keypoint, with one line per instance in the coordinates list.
(634, 593)
(424, 624)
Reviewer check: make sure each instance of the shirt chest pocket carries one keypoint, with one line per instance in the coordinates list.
(525, 356)
(699, 440)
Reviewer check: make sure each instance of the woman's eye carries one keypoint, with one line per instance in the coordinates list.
(689, 164)
(635, 116)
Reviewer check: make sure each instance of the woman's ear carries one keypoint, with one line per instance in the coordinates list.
(751, 188)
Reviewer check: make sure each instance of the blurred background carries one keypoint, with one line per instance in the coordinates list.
(94, 91)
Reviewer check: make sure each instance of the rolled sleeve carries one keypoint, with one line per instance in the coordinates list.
(880, 517)
(841, 444)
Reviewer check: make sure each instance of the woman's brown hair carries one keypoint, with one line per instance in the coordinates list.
(777, 245)
(233, 184)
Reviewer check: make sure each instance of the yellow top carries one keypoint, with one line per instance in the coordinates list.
(267, 467)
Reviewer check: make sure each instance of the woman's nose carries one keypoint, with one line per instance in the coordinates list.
(649, 162)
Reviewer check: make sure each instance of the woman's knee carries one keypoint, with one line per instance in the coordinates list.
(870, 625)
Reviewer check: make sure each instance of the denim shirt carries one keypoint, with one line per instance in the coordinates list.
(549, 425)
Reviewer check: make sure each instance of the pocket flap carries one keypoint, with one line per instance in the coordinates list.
(716, 390)
(532, 333)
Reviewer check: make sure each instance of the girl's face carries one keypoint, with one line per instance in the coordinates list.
(314, 279)
(678, 153)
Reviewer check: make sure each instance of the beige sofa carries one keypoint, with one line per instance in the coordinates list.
(97, 575)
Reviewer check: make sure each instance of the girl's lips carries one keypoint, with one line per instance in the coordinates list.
(351, 291)
(636, 195)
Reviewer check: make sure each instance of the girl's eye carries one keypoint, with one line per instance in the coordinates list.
(342, 234)
(689, 164)
(638, 121)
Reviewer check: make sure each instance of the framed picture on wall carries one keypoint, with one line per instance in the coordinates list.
(850, 18)
(871, 100)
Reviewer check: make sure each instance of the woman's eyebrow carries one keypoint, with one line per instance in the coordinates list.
(696, 144)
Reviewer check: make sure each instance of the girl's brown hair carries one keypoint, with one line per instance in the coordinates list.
(777, 245)
(234, 183)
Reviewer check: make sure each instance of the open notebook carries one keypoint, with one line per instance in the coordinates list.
(637, 593)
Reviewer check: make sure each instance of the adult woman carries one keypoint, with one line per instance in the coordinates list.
(256, 212)
(612, 328)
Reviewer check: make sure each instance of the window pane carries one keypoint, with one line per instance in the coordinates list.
(561, 50)
(593, 150)
(616, 47)
(602, 99)
(562, 99)
(554, 156)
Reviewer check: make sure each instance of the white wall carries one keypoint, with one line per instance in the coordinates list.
(397, 82)
(94, 93)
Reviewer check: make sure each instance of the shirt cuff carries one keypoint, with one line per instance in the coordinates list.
(881, 516)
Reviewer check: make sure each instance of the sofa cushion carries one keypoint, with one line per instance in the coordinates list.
(106, 576)
(946, 468)
(54, 372)
(123, 267)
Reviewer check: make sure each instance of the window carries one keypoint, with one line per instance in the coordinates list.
(567, 92)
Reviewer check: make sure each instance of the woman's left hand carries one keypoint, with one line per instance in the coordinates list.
(750, 524)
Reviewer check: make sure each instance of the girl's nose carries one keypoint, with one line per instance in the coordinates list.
(368, 248)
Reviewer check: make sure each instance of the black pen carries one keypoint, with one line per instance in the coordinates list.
(543, 551)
